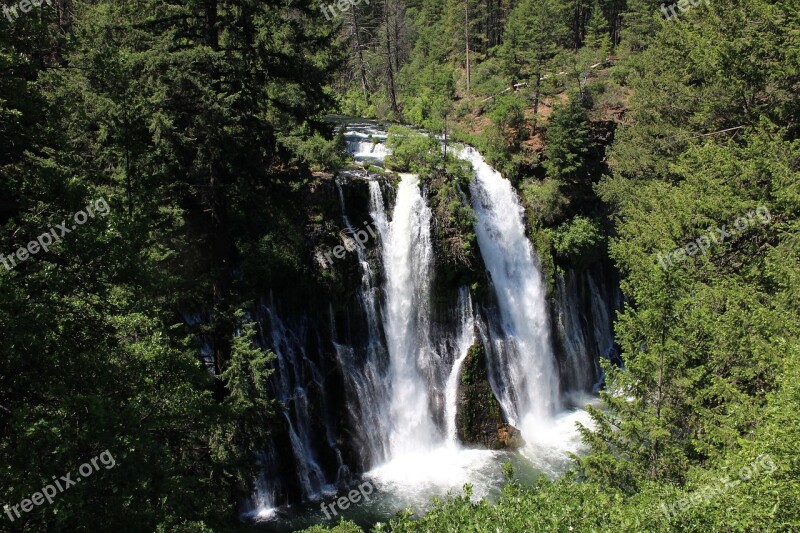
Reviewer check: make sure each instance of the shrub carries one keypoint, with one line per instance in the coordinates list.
(578, 240)
(411, 151)
(545, 201)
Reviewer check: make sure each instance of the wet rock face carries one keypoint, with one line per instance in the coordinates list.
(479, 418)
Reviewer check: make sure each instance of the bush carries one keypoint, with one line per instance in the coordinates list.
(578, 240)
(411, 151)
(545, 201)
(487, 78)
(317, 152)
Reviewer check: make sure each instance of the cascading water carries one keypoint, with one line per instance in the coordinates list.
(466, 339)
(366, 143)
(402, 374)
(571, 332)
(528, 388)
(408, 262)
(295, 374)
(584, 321)
(367, 380)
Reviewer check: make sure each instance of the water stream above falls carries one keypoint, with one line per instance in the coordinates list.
(402, 382)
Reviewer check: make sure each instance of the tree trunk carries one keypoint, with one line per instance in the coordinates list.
(536, 93)
(389, 70)
(219, 240)
(466, 37)
(64, 15)
(362, 67)
(396, 39)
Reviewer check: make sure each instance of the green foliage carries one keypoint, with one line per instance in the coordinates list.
(412, 151)
(579, 240)
(427, 81)
(251, 408)
(480, 413)
(199, 123)
(455, 219)
(181, 117)
(344, 526)
(717, 69)
(702, 338)
(545, 201)
(535, 32)
(487, 78)
(507, 132)
(640, 23)
(313, 150)
(597, 32)
(568, 142)
(710, 344)
(352, 103)
(507, 113)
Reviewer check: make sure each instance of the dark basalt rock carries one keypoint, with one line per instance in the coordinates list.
(479, 418)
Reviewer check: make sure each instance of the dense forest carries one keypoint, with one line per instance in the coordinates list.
(163, 173)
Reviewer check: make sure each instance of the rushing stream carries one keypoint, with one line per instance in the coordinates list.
(401, 381)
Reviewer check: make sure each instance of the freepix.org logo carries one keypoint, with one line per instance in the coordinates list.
(24, 6)
(54, 235)
(343, 6)
(48, 492)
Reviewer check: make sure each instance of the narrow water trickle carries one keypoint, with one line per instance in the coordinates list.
(465, 341)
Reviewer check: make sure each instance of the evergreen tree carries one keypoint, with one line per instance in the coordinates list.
(568, 142)
(536, 32)
(597, 32)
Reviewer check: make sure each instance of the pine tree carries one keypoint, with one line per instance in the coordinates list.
(597, 32)
(568, 142)
(536, 32)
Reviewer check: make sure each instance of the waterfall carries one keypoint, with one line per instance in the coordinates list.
(379, 396)
(424, 458)
(366, 144)
(465, 341)
(578, 376)
(294, 374)
(528, 387)
(408, 262)
(584, 321)
(396, 416)
(366, 380)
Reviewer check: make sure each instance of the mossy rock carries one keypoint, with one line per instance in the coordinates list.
(479, 418)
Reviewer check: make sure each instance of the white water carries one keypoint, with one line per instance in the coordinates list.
(367, 382)
(403, 389)
(367, 145)
(422, 460)
(408, 261)
(465, 340)
(528, 388)
(568, 321)
(585, 327)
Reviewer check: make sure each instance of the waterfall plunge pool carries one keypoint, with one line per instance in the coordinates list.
(411, 481)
